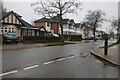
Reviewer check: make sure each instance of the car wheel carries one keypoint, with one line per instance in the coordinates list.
(16, 42)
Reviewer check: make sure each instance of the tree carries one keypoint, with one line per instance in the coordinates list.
(95, 18)
(2, 8)
(115, 24)
(50, 8)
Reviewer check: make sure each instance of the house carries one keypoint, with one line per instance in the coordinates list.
(53, 25)
(78, 29)
(68, 27)
(50, 24)
(13, 22)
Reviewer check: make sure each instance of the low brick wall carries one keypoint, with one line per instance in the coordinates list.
(40, 39)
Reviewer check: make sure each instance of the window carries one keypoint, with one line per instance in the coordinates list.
(9, 30)
(5, 30)
(1, 30)
(48, 24)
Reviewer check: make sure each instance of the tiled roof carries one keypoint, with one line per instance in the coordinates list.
(40, 27)
(77, 25)
(65, 21)
(5, 14)
(24, 23)
(44, 19)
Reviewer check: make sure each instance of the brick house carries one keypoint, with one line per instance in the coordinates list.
(50, 24)
(13, 22)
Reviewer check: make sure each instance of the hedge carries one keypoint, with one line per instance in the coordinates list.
(73, 37)
(40, 39)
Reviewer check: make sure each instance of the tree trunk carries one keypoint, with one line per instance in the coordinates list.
(94, 34)
(118, 33)
(61, 26)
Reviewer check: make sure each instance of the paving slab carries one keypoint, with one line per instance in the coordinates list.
(113, 54)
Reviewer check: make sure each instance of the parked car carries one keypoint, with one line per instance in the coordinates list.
(9, 37)
(52, 35)
(55, 35)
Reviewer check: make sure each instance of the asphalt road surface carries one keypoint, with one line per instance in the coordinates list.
(67, 61)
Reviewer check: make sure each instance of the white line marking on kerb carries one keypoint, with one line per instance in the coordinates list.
(61, 59)
(49, 62)
(7, 73)
(30, 67)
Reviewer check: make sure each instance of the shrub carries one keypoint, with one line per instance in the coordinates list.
(73, 37)
(40, 39)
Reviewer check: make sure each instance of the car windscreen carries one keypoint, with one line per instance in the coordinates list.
(11, 34)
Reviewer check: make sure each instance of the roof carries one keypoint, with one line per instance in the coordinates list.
(44, 19)
(71, 21)
(24, 23)
(77, 25)
(5, 14)
(53, 20)
(65, 21)
(39, 27)
(18, 15)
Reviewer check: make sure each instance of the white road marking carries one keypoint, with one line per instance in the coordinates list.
(61, 59)
(70, 57)
(48, 62)
(76, 55)
(30, 67)
(7, 73)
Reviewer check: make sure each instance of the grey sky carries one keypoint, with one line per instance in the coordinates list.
(24, 8)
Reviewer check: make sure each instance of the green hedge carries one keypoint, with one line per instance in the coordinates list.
(40, 39)
(73, 37)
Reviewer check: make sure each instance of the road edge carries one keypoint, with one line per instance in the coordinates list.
(105, 59)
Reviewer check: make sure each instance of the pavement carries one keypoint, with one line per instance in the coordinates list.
(21, 46)
(112, 57)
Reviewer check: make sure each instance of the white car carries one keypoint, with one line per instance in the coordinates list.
(55, 35)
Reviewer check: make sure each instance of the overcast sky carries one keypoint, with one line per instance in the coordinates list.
(109, 7)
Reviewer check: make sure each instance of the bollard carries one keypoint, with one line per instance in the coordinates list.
(106, 48)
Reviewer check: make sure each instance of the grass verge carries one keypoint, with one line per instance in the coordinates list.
(111, 45)
(57, 43)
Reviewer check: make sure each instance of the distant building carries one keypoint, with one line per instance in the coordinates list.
(53, 25)
(78, 29)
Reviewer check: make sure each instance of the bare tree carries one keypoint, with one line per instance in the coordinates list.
(95, 18)
(50, 8)
(2, 8)
(115, 24)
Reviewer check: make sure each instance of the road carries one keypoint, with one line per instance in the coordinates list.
(68, 61)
